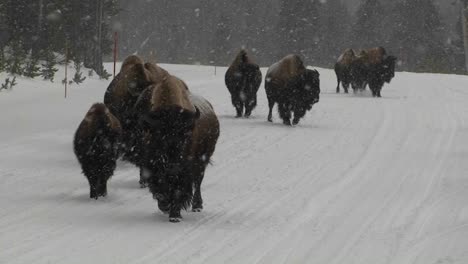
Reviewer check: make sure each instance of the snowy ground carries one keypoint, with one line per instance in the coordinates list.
(360, 180)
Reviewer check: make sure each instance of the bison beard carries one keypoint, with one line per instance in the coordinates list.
(95, 146)
(166, 151)
(243, 79)
(380, 74)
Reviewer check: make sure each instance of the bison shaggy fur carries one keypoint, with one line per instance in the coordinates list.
(295, 89)
(180, 135)
(243, 79)
(95, 146)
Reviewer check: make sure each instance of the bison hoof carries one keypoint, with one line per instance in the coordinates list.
(175, 219)
(197, 210)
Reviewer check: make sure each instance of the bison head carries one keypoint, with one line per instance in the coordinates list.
(137, 79)
(306, 93)
(359, 72)
(388, 68)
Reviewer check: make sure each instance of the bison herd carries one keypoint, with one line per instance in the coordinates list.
(151, 118)
(371, 67)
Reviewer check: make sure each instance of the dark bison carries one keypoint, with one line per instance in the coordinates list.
(122, 94)
(373, 67)
(95, 146)
(243, 78)
(295, 88)
(343, 69)
(180, 135)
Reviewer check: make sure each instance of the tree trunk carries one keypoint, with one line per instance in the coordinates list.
(98, 53)
(465, 30)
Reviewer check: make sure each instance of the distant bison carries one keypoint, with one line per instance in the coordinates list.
(343, 69)
(243, 78)
(373, 67)
(180, 135)
(95, 146)
(122, 94)
(295, 88)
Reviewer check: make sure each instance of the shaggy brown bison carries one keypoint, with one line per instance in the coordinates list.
(243, 78)
(373, 67)
(343, 69)
(122, 94)
(295, 88)
(180, 135)
(95, 146)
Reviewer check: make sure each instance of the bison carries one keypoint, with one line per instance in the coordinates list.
(295, 88)
(343, 69)
(95, 146)
(122, 94)
(243, 78)
(373, 67)
(180, 135)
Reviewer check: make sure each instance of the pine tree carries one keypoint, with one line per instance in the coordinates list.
(48, 67)
(335, 35)
(220, 55)
(297, 28)
(78, 77)
(369, 28)
(417, 35)
(32, 68)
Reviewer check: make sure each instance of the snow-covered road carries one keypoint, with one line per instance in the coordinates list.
(360, 180)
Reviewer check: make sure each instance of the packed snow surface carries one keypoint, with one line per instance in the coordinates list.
(360, 180)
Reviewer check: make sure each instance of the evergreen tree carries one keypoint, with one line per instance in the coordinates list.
(41, 27)
(335, 35)
(220, 55)
(417, 36)
(48, 67)
(368, 30)
(78, 77)
(32, 68)
(297, 29)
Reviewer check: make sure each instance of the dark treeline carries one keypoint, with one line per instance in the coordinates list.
(211, 32)
(35, 35)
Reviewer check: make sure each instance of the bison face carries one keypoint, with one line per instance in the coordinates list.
(311, 88)
(388, 68)
(168, 137)
(137, 78)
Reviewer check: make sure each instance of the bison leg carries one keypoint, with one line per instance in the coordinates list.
(197, 201)
(93, 187)
(338, 85)
(102, 188)
(238, 104)
(271, 103)
(285, 114)
(250, 106)
(143, 178)
(174, 216)
(345, 87)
